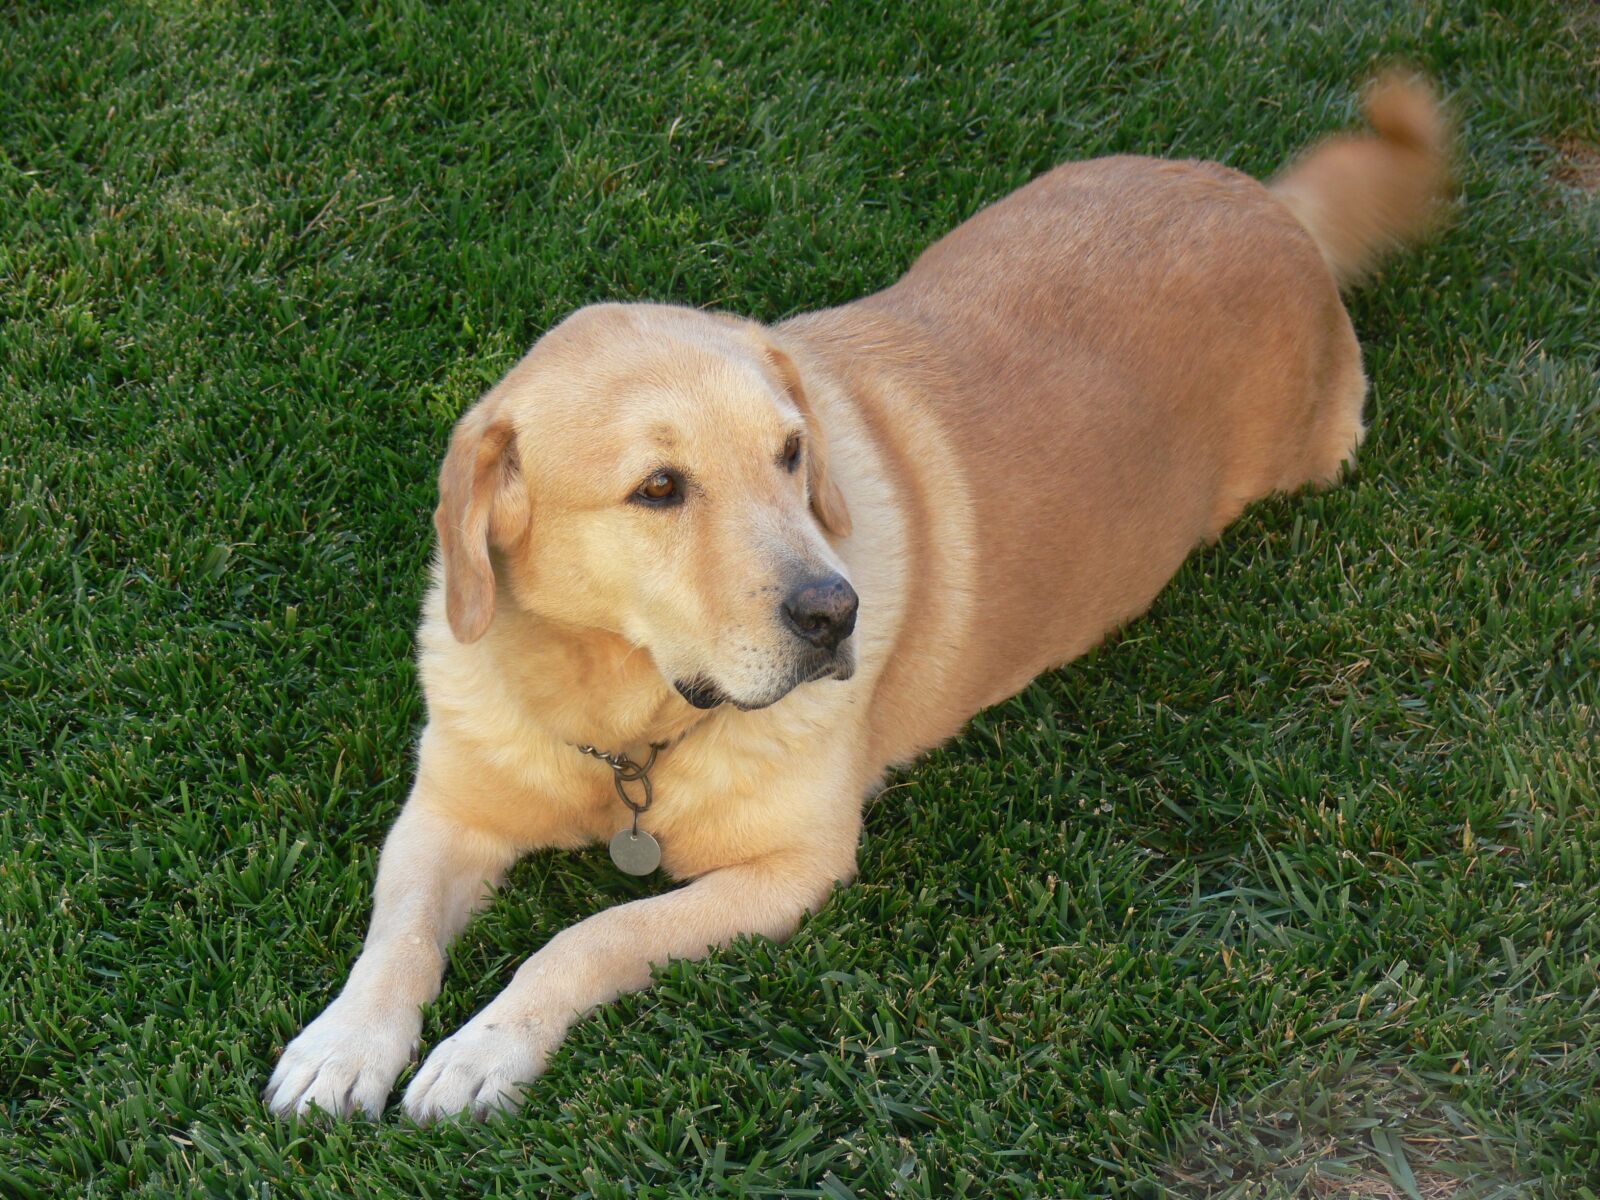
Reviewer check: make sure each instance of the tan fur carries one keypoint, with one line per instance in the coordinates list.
(1007, 454)
(1362, 197)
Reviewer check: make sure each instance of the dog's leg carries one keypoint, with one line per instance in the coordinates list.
(433, 875)
(485, 1065)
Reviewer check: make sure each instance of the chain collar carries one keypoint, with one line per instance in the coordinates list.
(633, 849)
(624, 771)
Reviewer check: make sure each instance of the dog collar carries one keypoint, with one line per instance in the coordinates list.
(633, 849)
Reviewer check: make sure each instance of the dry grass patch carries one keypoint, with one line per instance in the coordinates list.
(1430, 1186)
(1577, 165)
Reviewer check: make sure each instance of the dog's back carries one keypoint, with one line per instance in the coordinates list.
(1136, 350)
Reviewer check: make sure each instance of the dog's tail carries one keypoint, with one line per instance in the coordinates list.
(1362, 197)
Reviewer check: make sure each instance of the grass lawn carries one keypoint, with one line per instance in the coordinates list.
(1294, 889)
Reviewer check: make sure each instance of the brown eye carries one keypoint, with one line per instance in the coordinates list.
(791, 452)
(660, 489)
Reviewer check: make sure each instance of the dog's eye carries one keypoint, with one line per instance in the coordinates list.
(791, 452)
(660, 489)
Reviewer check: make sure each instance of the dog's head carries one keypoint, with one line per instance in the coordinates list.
(658, 473)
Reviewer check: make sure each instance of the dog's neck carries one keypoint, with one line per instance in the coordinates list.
(586, 686)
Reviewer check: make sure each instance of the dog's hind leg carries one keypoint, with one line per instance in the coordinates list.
(1338, 430)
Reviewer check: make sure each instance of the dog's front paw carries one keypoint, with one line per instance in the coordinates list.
(345, 1061)
(482, 1069)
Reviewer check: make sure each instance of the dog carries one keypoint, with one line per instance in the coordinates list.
(701, 582)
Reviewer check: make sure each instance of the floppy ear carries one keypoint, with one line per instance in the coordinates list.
(475, 508)
(827, 502)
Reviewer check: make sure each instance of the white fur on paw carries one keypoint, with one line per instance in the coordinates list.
(482, 1070)
(345, 1061)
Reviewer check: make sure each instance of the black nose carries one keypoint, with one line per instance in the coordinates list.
(822, 611)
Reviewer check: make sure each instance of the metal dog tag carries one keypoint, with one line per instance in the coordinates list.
(635, 851)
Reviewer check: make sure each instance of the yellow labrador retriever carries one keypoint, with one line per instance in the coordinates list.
(701, 581)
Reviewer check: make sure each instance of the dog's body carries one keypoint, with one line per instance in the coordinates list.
(1006, 455)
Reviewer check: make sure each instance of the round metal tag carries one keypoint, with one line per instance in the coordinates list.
(635, 852)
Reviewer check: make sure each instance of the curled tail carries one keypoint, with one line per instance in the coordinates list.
(1361, 197)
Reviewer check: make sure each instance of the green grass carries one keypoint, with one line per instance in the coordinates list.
(1302, 871)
